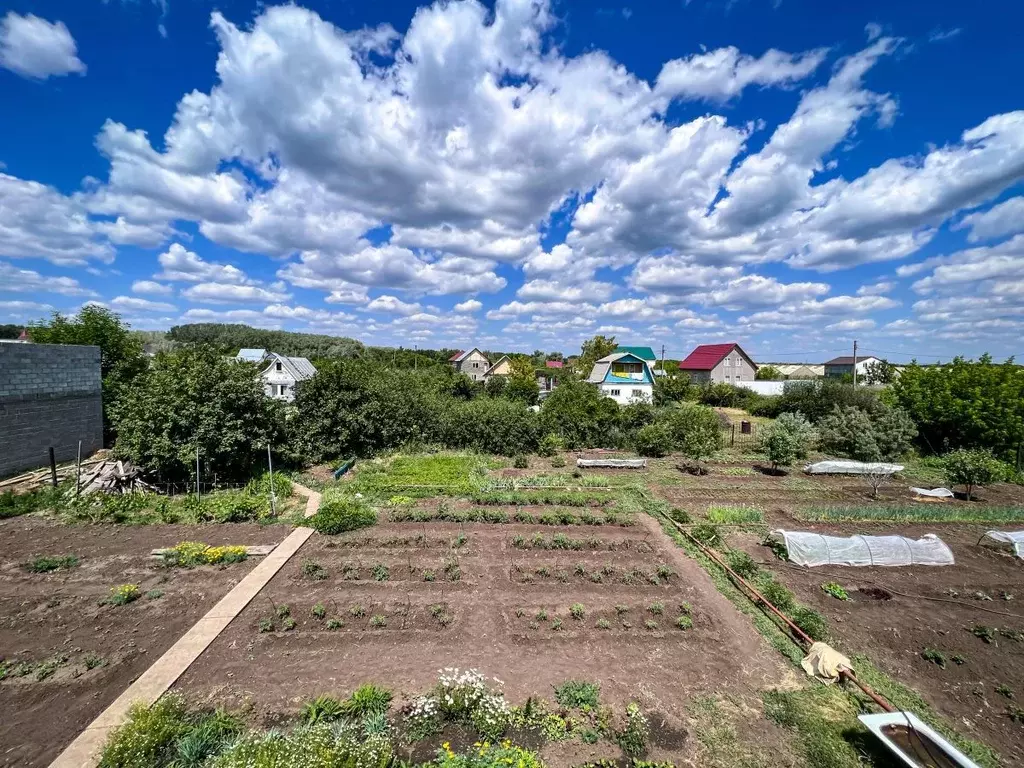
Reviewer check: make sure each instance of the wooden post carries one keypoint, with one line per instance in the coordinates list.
(53, 468)
(199, 493)
(78, 470)
(270, 467)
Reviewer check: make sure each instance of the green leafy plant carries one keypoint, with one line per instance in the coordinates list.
(987, 634)
(311, 569)
(124, 594)
(603, 624)
(578, 694)
(656, 609)
(338, 514)
(520, 462)
(651, 624)
(577, 611)
(725, 515)
(742, 563)
(958, 659)
(632, 736)
(378, 620)
(357, 610)
(367, 699)
(154, 594)
(48, 564)
(836, 590)
(265, 625)
(333, 624)
(1004, 690)
(935, 657)
(684, 622)
(318, 611)
(322, 709)
(811, 622)
(381, 572)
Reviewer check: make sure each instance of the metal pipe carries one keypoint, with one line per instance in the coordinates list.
(847, 674)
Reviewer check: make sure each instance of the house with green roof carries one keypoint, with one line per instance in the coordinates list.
(644, 353)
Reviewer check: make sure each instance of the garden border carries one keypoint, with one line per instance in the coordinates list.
(84, 751)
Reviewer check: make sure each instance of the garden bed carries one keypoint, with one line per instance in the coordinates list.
(66, 654)
(957, 649)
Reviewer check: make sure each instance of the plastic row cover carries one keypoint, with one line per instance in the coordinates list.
(1014, 538)
(811, 549)
(846, 467)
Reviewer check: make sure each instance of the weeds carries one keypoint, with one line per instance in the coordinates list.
(935, 657)
(367, 699)
(93, 661)
(1004, 690)
(811, 622)
(48, 564)
(930, 513)
(313, 570)
(742, 563)
(578, 694)
(632, 736)
(322, 709)
(378, 620)
(124, 594)
(725, 515)
(154, 594)
(577, 611)
(381, 572)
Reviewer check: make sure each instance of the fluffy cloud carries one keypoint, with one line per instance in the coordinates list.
(880, 288)
(27, 280)
(183, 265)
(34, 47)
(152, 287)
(230, 293)
(21, 309)
(470, 305)
(722, 74)
(392, 305)
(135, 304)
(1007, 218)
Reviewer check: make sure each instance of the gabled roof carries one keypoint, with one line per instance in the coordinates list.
(500, 359)
(251, 355)
(299, 368)
(644, 353)
(458, 357)
(553, 364)
(707, 356)
(848, 360)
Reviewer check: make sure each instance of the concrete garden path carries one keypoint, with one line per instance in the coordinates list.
(84, 751)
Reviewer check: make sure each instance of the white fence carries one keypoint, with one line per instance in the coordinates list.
(763, 387)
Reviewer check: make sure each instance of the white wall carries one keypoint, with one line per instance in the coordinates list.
(626, 392)
(762, 387)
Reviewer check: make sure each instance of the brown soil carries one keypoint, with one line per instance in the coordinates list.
(59, 617)
(493, 627)
(889, 619)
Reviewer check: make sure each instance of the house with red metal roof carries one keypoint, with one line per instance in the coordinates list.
(719, 363)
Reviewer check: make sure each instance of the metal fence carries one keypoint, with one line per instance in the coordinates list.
(740, 435)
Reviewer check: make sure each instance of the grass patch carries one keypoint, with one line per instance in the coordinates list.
(927, 513)
(578, 694)
(48, 564)
(822, 719)
(734, 515)
(419, 476)
(713, 721)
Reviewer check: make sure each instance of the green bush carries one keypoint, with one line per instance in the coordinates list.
(520, 461)
(654, 440)
(322, 709)
(550, 444)
(579, 414)
(696, 431)
(742, 563)
(786, 439)
(15, 504)
(367, 699)
(338, 514)
(884, 434)
(578, 694)
(487, 755)
(971, 468)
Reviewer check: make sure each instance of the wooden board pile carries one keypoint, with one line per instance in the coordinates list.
(29, 481)
(115, 477)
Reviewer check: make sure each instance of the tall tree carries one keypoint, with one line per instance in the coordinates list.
(121, 356)
(593, 350)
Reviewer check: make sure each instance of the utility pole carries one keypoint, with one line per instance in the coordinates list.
(662, 359)
(855, 363)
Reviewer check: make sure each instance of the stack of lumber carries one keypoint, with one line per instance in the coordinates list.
(32, 480)
(115, 477)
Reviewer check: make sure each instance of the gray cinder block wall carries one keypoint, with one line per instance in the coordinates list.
(50, 395)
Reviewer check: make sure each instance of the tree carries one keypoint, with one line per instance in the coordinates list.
(653, 440)
(495, 385)
(965, 404)
(696, 432)
(884, 434)
(593, 350)
(971, 468)
(786, 439)
(192, 399)
(768, 373)
(523, 389)
(579, 414)
(880, 372)
(522, 366)
(121, 356)
(671, 389)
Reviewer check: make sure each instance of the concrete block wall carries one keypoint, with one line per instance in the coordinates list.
(50, 395)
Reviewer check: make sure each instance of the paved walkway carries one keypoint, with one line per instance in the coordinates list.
(84, 751)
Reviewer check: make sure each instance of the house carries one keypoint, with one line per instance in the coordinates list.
(719, 363)
(624, 377)
(472, 363)
(501, 368)
(280, 374)
(22, 338)
(843, 366)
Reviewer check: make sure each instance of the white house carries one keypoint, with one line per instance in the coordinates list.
(472, 363)
(280, 374)
(843, 366)
(624, 377)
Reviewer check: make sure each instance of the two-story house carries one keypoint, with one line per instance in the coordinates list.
(719, 364)
(472, 363)
(624, 377)
(280, 373)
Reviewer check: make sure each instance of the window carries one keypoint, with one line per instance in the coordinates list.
(476, 365)
(277, 366)
(727, 362)
(615, 392)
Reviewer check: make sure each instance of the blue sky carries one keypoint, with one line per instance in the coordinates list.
(524, 174)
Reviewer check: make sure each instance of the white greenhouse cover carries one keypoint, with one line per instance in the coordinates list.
(933, 493)
(811, 549)
(844, 467)
(1013, 538)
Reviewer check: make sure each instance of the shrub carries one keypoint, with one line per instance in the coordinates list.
(775, 593)
(816, 399)
(971, 468)
(706, 535)
(579, 414)
(654, 440)
(695, 430)
(338, 514)
(550, 444)
(520, 461)
(578, 694)
(487, 755)
(557, 462)
(786, 439)
(632, 736)
(883, 434)
(148, 734)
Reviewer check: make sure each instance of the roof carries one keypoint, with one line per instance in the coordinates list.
(299, 368)
(848, 360)
(707, 356)
(458, 357)
(602, 371)
(553, 364)
(500, 360)
(644, 353)
(251, 355)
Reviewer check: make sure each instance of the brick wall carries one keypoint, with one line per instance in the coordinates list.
(50, 395)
